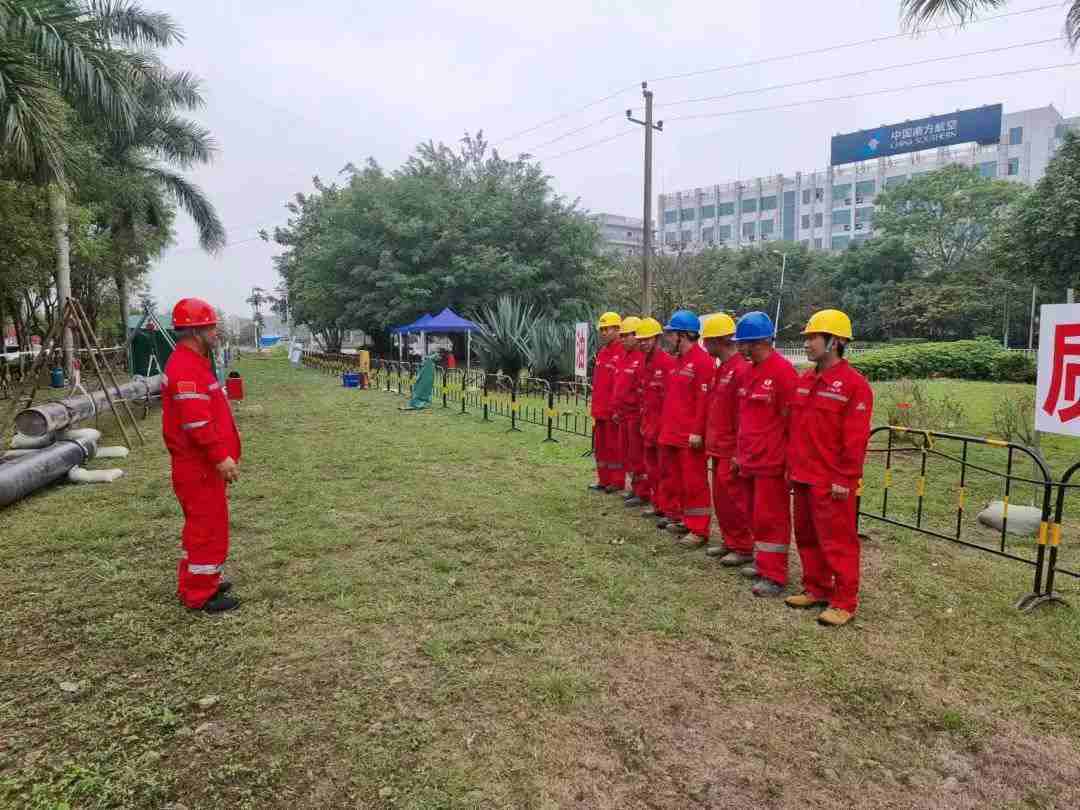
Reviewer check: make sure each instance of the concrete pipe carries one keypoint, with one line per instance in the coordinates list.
(24, 475)
(61, 414)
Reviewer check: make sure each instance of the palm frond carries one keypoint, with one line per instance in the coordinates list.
(175, 139)
(129, 24)
(1072, 24)
(31, 119)
(188, 196)
(918, 13)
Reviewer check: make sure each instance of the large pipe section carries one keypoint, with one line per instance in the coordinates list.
(61, 414)
(22, 476)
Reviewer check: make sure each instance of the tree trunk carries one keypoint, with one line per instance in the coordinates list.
(122, 294)
(59, 216)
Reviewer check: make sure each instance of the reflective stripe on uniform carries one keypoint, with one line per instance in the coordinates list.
(771, 548)
(193, 425)
(831, 395)
(192, 396)
(213, 386)
(204, 570)
(164, 381)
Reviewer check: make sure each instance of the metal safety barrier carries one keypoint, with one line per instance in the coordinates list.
(929, 444)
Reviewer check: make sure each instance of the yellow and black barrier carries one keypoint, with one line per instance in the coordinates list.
(934, 444)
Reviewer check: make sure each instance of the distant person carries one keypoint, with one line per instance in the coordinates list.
(204, 444)
(610, 474)
(653, 379)
(626, 401)
(451, 361)
(830, 428)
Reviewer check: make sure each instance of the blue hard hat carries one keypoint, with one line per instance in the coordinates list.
(754, 326)
(683, 320)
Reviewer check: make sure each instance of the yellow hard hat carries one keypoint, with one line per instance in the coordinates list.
(609, 319)
(629, 325)
(648, 328)
(829, 322)
(719, 324)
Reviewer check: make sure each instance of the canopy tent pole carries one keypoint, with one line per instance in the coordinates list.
(468, 351)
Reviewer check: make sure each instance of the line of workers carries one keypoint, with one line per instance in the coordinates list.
(670, 402)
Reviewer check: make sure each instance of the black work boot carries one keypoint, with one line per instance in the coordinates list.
(598, 487)
(221, 603)
(223, 587)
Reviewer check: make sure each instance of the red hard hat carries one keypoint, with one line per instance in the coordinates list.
(192, 312)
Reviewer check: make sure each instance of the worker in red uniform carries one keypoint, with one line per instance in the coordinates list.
(731, 492)
(682, 431)
(610, 474)
(830, 428)
(652, 381)
(626, 400)
(201, 436)
(761, 450)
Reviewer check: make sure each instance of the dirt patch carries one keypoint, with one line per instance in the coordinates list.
(672, 734)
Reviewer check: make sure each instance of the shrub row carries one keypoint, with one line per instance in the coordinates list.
(961, 359)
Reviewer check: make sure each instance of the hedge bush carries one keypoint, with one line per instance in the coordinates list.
(961, 359)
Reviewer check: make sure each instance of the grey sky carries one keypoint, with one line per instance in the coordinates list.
(301, 89)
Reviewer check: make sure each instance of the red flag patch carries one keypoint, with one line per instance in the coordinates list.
(186, 388)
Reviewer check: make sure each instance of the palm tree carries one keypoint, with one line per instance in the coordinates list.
(142, 157)
(60, 59)
(919, 12)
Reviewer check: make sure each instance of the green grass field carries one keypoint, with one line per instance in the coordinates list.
(438, 615)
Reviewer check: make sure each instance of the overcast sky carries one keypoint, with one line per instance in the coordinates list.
(299, 89)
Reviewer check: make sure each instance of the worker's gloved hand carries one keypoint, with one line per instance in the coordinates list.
(696, 441)
(839, 493)
(229, 470)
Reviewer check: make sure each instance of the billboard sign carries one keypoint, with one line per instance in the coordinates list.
(581, 350)
(981, 125)
(1057, 401)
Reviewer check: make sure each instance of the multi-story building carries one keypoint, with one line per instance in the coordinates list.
(618, 234)
(830, 208)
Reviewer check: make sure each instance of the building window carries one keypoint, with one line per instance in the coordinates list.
(864, 216)
(817, 244)
(671, 217)
(840, 193)
(840, 242)
(988, 169)
(819, 194)
(749, 206)
(768, 228)
(748, 229)
(687, 237)
(708, 211)
(1014, 167)
(723, 232)
(671, 238)
(768, 203)
(896, 181)
(858, 239)
(688, 215)
(806, 222)
(841, 217)
(865, 188)
(707, 236)
(804, 243)
(806, 195)
(725, 209)
(819, 220)
(1016, 136)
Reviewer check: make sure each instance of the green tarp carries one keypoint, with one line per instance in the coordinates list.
(425, 381)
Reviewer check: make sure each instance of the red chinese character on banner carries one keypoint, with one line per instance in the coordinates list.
(1063, 381)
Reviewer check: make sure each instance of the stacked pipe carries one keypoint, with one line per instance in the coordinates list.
(61, 414)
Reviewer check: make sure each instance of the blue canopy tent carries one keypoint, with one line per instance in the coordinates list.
(445, 322)
(401, 331)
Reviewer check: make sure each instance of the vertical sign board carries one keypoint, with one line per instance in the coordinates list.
(581, 350)
(1057, 400)
(981, 125)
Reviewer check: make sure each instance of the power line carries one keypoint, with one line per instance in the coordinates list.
(855, 73)
(764, 61)
(939, 83)
(848, 97)
(831, 48)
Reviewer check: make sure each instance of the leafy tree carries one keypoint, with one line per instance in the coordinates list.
(1041, 243)
(946, 216)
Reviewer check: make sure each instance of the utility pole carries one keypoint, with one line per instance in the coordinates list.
(646, 237)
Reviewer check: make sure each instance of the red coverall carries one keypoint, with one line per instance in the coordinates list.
(627, 405)
(199, 431)
(609, 464)
(654, 374)
(761, 453)
(685, 404)
(731, 492)
(830, 427)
